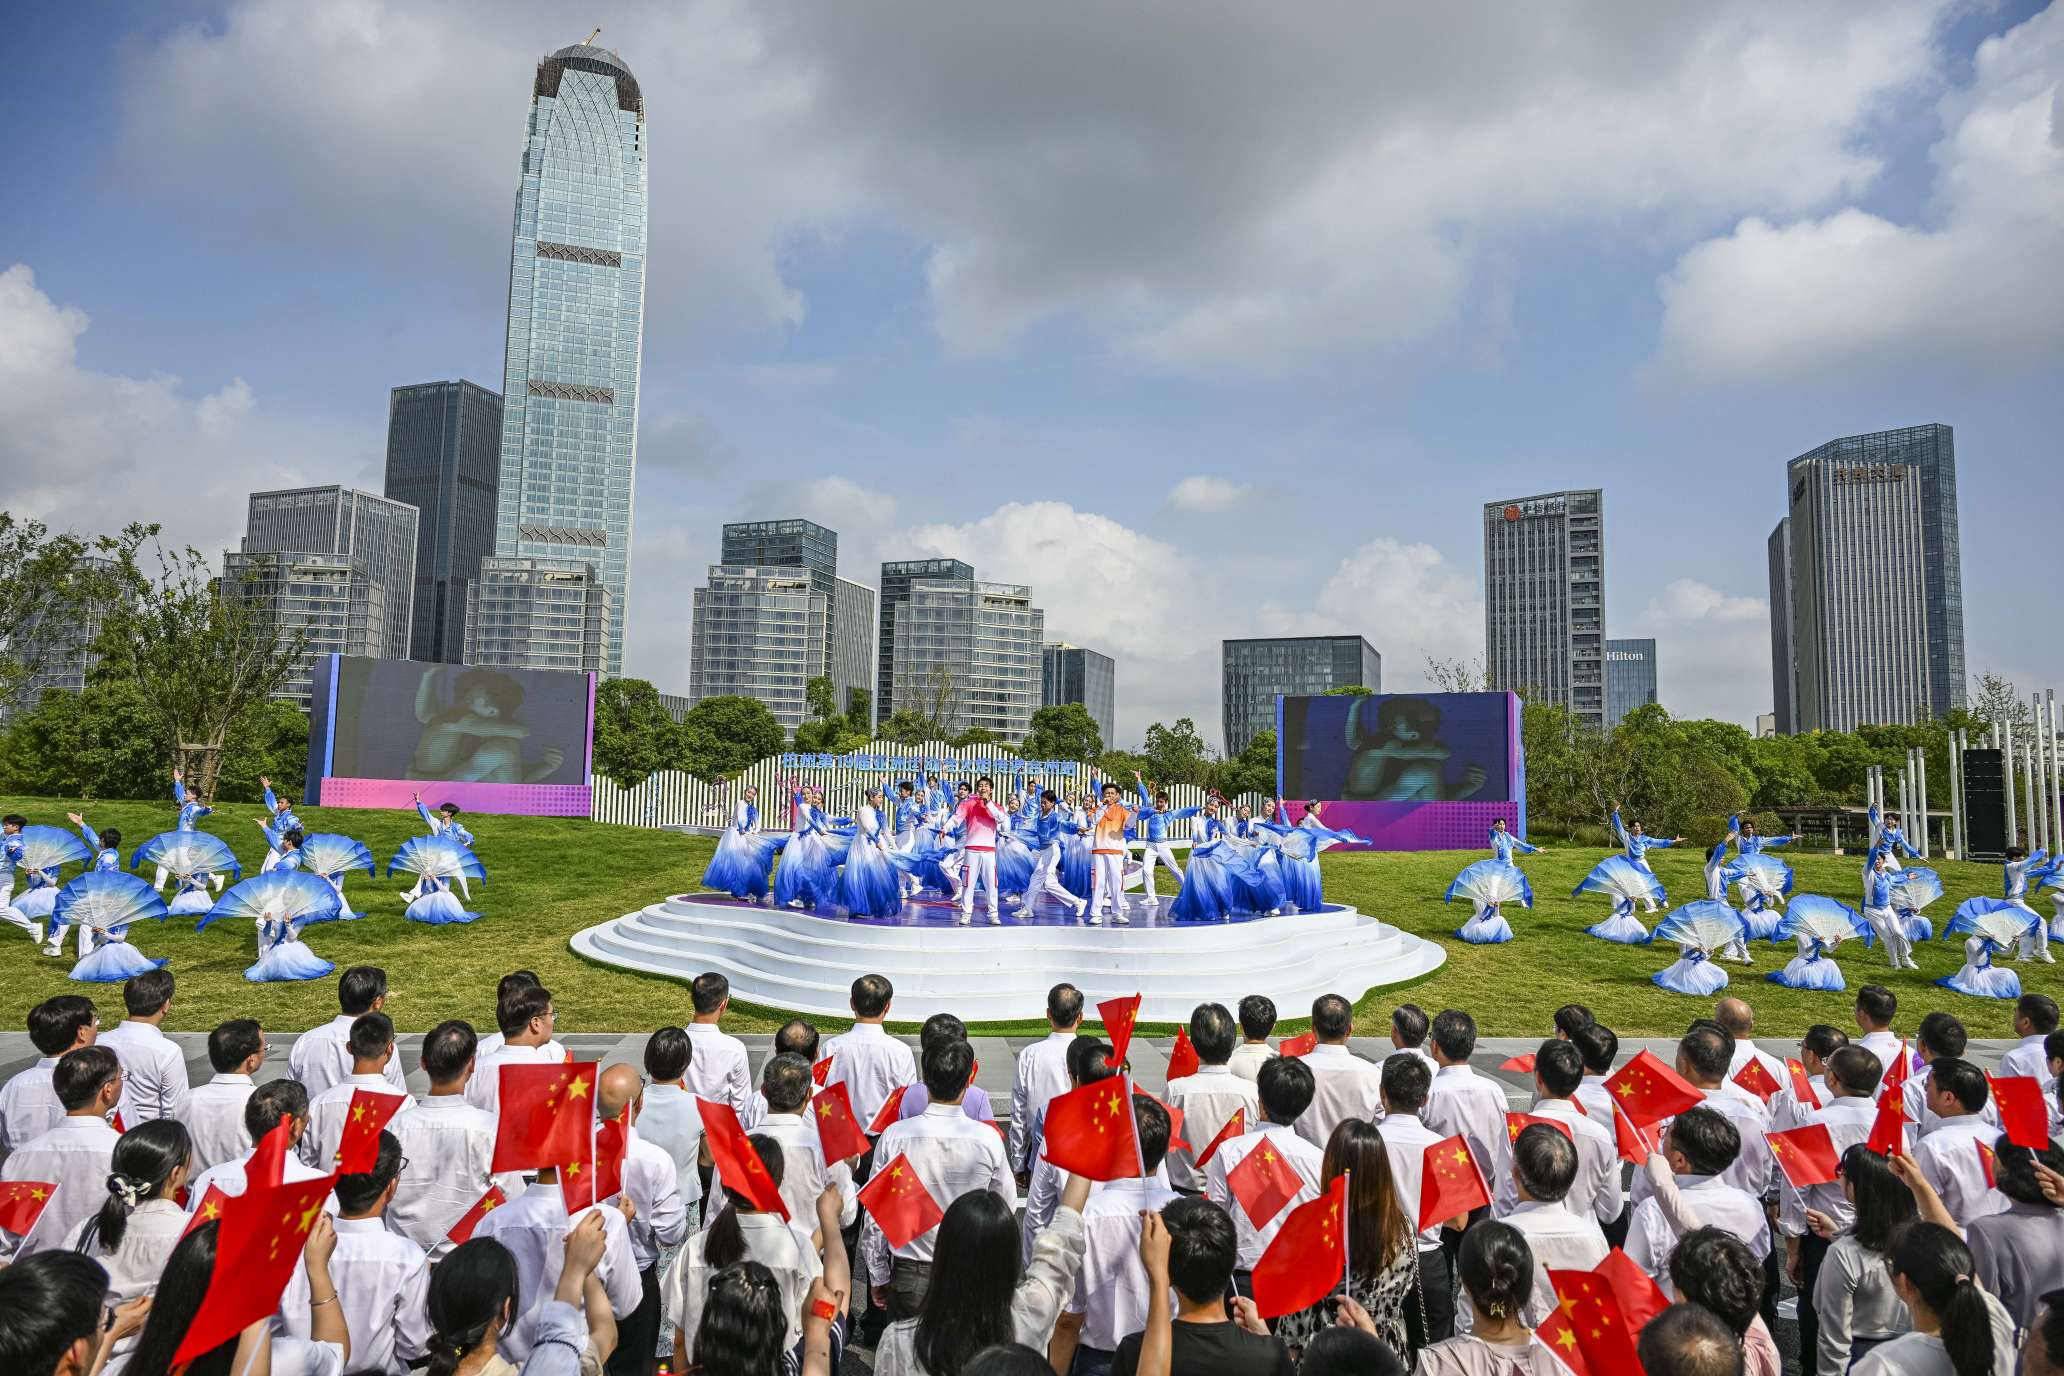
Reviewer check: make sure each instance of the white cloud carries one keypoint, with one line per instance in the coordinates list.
(1712, 650)
(1404, 598)
(1966, 285)
(1203, 493)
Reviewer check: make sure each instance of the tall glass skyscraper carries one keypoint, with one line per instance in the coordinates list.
(968, 655)
(1544, 601)
(897, 576)
(576, 325)
(1630, 677)
(1073, 674)
(759, 632)
(374, 536)
(444, 452)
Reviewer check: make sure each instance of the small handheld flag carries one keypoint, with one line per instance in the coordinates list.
(838, 1131)
(1450, 1182)
(1806, 1155)
(899, 1203)
(1183, 1061)
(1307, 1259)
(482, 1207)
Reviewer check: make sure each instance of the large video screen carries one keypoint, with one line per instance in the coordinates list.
(1409, 771)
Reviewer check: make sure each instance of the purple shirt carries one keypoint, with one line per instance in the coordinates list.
(975, 1105)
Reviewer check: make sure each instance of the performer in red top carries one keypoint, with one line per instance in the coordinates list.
(979, 818)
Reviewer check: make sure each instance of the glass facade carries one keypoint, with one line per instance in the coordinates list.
(1630, 677)
(1073, 674)
(576, 326)
(968, 655)
(1544, 601)
(1257, 672)
(1782, 666)
(59, 648)
(759, 632)
(362, 531)
(334, 597)
(528, 613)
(444, 458)
(852, 643)
(896, 579)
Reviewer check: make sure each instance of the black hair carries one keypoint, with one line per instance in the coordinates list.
(1706, 1052)
(513, 1014)
(1212, 1033)
(2040, 1010)
(1406, 1081)
(110, 839)
(271, 1102)
(54, 1023)
(871, 995)
(785, 1080)
(941, 1027)
(1937, 1264)
(470, 1290)
(1496, 1267)
(724, 1243)
(141, 1167)
(708, 993)
(14, 819)
(948, 1067)
(1855, 1069)
(2014, 1171)
(1823, 1040)
(1150, 1120)
(446, 1049)
(1064, 1005)
(1332, 1017)
(1546, 1162)
(182, 1286)
(291, 838)
(359, 988)
(1689, 1340)
(234, 1042)
(1008, 1359)
(81, 1074)
(1598, 1045)
(371, 1034)
(1376, 1229)
(514, 980)
(1410, 1023)
(1877, 1003)
(975, 1266)
(145, 994)
(1572, 1016)
(448, 809)
(1454, 1034)
(1942, 1034)
(798, 1035)
(357, 1193)
(1286, 1087)
(1561, 1068)
(52, 1300)
(1707, 1140)
(1714, 1268)
(668, 1053)
(1257, 1017)
(2049, 1329)
(1203, 1248)
(1962, 1079)
(744, 1327)
(1047, 795)
(1338, 1351)
(1884, 1204)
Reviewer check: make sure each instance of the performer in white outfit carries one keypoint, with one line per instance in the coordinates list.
(1154, 817)
(979, 819)
(1877, 910)
(1107, 858)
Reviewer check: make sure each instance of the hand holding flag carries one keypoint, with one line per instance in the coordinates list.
(1307, 1260)
(1089, 1131)
(259, 1242)
(1805, 1155)
(2023, 1115)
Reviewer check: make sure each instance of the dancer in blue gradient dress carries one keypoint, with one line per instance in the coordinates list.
(1638, 843)
(191, 810)
(869, 883)
(805, 877)
(108, 901)
(105, 857)
(1488, 885)
(42, 853)
(281, 903)
(1221, 878)
(196, 861)
(1701, 929)
(437, 861)
(745, 854)
(1623, 881)
(1819, 925)
(1991, 927)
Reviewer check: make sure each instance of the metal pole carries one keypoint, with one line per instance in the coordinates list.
(2056, 773)
(2028, 791)
(2041, 816)
(1921, 797)
(2006, 734)
(1905, 803)
(1956, 795)
(1916, 819)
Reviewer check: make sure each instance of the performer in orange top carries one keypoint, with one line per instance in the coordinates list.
(1107, 852)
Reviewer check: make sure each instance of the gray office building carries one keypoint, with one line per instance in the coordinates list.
(1073, 674)
(374, 532)
(525, 612)
(57, 646)
(1256, 672)
(1782, 668)
(968, 655)
(896, 579)
(1544, 600)
(759, 632)
(792, 544)
(1630, 677)
(444, 458)
(852, 644)
(331, 597)
(1876, 608)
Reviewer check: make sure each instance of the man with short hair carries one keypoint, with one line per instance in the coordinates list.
(1111, 1298)
(670, 1119)
(658, 1222)
(1286, 1087)
(785, 1084)
(870, 1063)
(2035, 1017)
(1041, 1073)
(1257, 1021)
(1599, 1047)
(527, 1017)
(1787, 1111)
(1703, 1054)
(1408, 1028)
(28, 1104)
(1740, 1021)
(1699, 1145)
(1209, 1097)
(1876, 1006)
(1948, 1156)
(1853, 1075)
(319, 1058)
(505, 988)
(1571, 1017)
(269, 1104)
(215, 1112)
(372, 1050)
(51, 1310)
(382, 1278)
(533, 1226)
(1544, 1166)
(1939, 1037)
(943, 1027)
(1344, 1085)
(1688, 1340)
(447, 1146)
(76, 1152)
(154, 1081)
(1405, 1085)
(1089, 1062)
(1196, 1258)
(2042, 1351)
(1462, 1101)
(1594, 1188)
(720, 1071)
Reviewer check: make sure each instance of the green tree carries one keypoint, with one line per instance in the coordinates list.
(1120, 765)
(1177, 754)
(832, 735)
(906, 727)
(860, 711)
(977, 735)
(269, 741)
(43, 581)
(1351, 690)
(635, 736)
(100, 743)
(1063, 732)
(724, 735)
(820, 697)
(1997, 702)
(1253, 770)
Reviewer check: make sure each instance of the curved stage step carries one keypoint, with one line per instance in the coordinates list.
(785, 958)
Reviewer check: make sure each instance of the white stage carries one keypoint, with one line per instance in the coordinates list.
(806, 960)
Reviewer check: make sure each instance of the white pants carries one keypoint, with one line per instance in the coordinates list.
(1647, 898)
(1046, 880)
(1107, 887)
(978, 865)
(904, 842)
(2037, 942)
(58, 929)
(1892, 932)
(10, 916)
(1158, 850)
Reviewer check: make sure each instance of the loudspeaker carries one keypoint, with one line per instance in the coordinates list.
(1985, 803)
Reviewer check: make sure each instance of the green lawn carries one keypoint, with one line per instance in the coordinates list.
(547, 878)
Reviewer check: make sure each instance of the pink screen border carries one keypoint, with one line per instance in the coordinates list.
(515, 800)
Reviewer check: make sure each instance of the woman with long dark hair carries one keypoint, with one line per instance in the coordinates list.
(747, 1315)
(2019, 1252)
(188, 1275)
(1380, 1247)
(472, 1303)
(140, 1221)
(1496, 1268)
(1958, 1329)
(1854, 1297)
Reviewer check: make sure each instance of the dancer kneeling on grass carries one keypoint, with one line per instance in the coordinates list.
(1764, 881)
(1994, 926)
(1819, 924)
(196, 862)
(745, 854)
(1621, 880)
(436, 861)
(330, 857)
(281, 903)
(1700, 929)
(41, 853)
(1488, 884)
(107, 902)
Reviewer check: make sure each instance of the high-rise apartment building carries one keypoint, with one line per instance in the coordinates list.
(1630, 677)
(1782, 670)
(576, 327)
(1876, 606)
(57, 645)
(852, 644)
(759, 632)
(1256, 672)
(373, 533)
(788, 544)
(968, 655)
(532, 613)
(897, 576)
(444, 458)
(327, 597)
(1544, 601)
(1070, 673)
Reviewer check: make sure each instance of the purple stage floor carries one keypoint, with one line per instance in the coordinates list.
(943, 912)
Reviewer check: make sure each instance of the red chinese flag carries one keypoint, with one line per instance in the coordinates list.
(1450, 1182)
(1307, 1261)
(1757, 1080)
(1264, 1183)
(587, 1180)
(1235, 1125)
(838, 1130)
(115, 1121)
(1516, 1123)
(737, 1162)
(1175, 1121)
(1986, 1158)
(1895, 1073)
(821, 1071)
(1090, 1131)
(257, 1248)
(1805, 1155)
(1118, 1016)
(547, 1115)
(267, 1167)
(1183, 1061)
(22, 1202)
(358, 1148)
(1634, 1144)
(482, 1207)
(1802, 1088)
(891, 1106)
(1602, 1332)
(1641, 1299)
(1649, 1091)
(2023, 1115)
(1523, 1063)
(1559, 1336)
(899, 1203)
(210, 1210)
(1299, 1045)
(1888, 1129)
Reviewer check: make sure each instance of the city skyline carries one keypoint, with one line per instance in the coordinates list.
(1211, 402)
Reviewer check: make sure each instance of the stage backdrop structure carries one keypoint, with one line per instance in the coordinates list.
(1427, 771)
(517, 741)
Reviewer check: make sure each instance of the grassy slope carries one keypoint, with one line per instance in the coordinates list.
(549, 877)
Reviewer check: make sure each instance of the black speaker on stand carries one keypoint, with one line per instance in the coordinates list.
(1985, 804)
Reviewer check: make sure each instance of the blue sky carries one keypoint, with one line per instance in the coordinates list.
(1202, 321)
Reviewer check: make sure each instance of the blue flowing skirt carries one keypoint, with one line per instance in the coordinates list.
(1980, 978)
(114, 961)
(1208, 893)
(1763, 923)
(1300, 883)
(285, 962)
(37, 903)
(438, 907)
(1624, 928)
(742, 863)
(1809, 972)
(868, 883)
(805, 873)
(1014, 864)
(1077, 869)
(1485, 929)
(1692, 974)
(191, 903)
(1919, 928)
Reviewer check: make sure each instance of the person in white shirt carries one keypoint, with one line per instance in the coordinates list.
(139, 1221)
(741, 1233)
(1699, 1145)
(1209, 1098)
(1787, 1110)
(1089, 1062)
(1876, 1006)
(153, 1067)
(1257, 1021)
(1948, 1157)
(1111, 1296)
(658, 1221)
(269, 1104)
(1344, 1085)
(534, 1227)
(785, 1084)
(1932, 1273)
(1462, 1101)
(382, 1278)
(1286, 1092)
(1544, 1167)
(527, 1018)
(953, 1155)
(1600, 1047)
(870, 1063)
(504, 988)
(1408, 1028)
(2035, 1018)
(1740, 1021)
(1940, 1036)
(719, 1070)
(1041, 1073)
(318, 1058)
(447, 1147)
(215, 1111)
(670, 1120)
(1702, 1057)
(28, 1104)
(1853, 1075)
(796, 1037)
(1406, 1082)
(371, 1045)
(75, 1153)
(1594, 1190)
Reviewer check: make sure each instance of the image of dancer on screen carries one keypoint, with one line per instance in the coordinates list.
(476, 736)
(1397, 758)
(1107, 852)
(1153, 819)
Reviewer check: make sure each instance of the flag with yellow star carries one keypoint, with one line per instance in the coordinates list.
(1802, 1087)
(209, 1210)
(358, 1147)
(1648, 1091)
(2022, 1113)
(1264, 1183)
(1888, 1129)
(838, 1129)
(1987, 1162)
(891, 1109)
(1235, 1126)
(738, 1160)
(257, 1246)
(589, 1180)
(1090, 1131)
(1516, 1123)
(1450, 1182)
(1300, 1045)
(547, 1115)
(1560, 1338)
(1756, 1078)
(22, 1202)
(1118, 1017)
(1806, 1155)
(1183, 1061)
(899, 1203)
(268, 1164)
(1307, 1259)
(1592, 1312)
(482, 1207)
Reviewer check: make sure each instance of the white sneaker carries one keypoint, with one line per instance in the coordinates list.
(50, 950)
(1121, 919)
(1080, 908)
(2044, 956)
(967, 915)
(1096, 919)
(994, 919)
(1151, 901)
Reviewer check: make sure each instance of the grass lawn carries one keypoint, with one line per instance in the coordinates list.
(549, 877)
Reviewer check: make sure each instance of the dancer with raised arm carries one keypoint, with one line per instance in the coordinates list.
(104, 856)
(1108, 850)
(1153, 819)
(870, 883)
(104, 899)
(281, 816)
(979, 819)
(191, 810)
(1048, 836)
(1504, 843)
(1877, 910)
(2019, 869)
(1638, 843)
